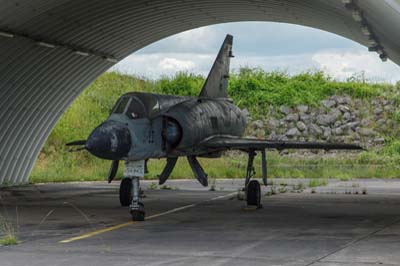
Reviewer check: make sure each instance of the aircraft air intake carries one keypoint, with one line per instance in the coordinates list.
(172, 132)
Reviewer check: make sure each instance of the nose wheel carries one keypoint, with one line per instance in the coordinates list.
(137, 212)
(125, 192)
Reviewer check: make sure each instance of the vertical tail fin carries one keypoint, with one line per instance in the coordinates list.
(217, 81)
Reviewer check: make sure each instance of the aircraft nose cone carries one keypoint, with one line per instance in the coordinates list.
(111, 140)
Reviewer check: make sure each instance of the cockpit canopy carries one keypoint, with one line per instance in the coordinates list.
(137, 106)
(131, 107)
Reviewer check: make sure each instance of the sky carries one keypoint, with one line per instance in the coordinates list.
(267, 45)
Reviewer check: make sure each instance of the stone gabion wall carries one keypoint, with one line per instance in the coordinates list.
(338, 119)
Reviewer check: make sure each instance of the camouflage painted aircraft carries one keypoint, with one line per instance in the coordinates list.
(144, 126)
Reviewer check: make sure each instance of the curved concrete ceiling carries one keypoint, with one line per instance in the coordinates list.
(50, 50)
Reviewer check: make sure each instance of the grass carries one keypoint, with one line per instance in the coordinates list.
(166, 187)
(8, 240)
(250, 88)
(7, 231)
(264, 89)
(153, 186)
(233, 165)
(317, 183)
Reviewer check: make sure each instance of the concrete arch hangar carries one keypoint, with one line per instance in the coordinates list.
(50, 50)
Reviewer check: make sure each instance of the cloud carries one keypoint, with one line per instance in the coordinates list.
(339, 64)
(344, 64)
(157, 64)
(270, 46)
(292, 64)
(173, 64)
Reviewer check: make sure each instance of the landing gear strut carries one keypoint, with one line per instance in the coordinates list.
(252, 187)
(129, 191)
(136, 207)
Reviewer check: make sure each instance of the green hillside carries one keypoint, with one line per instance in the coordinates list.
(250, 88)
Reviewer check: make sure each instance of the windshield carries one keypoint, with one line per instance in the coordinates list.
(131, 107)
(119, 108)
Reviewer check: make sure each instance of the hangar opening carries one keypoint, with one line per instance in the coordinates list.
(51, 51)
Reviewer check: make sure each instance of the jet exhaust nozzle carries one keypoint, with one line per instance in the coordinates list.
(111, 140)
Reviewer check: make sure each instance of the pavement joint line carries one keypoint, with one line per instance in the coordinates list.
(355, 241)
(118, 226)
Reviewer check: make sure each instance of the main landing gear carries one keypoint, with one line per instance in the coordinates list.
(253, 187)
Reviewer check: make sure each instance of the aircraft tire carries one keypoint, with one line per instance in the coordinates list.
(125, 192)
(254, 193)
(138, 215)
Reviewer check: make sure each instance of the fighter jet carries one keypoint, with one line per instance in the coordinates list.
(144, 126)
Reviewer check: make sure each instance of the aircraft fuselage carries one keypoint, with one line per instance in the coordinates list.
(158, 129)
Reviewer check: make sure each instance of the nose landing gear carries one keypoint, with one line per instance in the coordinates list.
(129, 191)
(128, 197)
